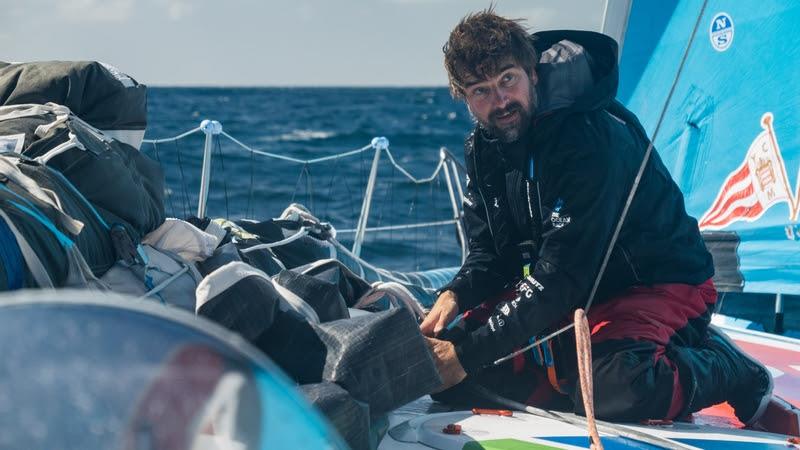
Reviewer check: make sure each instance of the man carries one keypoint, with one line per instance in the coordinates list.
(550, 164)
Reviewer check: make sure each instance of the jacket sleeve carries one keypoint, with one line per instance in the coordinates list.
(585, 188)
(483, 273)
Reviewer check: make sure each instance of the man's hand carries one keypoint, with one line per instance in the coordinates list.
(447, 364)
(443, 312)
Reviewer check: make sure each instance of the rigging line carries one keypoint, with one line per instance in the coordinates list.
(183, 181)
(416, 230)
(401, 227)
(174, 138)
(383, 273)
(296, 160)
(250, 213)
(411, 177)
(168, 193)
(297, 184)
(224, 178)
(329, 195)
(631, 194)
(351, 204)
(309, 188)
(303, 231)
(384, 203)
(391, 200)
(434, 193)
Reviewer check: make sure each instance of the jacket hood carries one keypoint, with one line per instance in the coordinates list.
(576, 70)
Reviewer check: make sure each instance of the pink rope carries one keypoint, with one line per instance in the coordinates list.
(584, 349)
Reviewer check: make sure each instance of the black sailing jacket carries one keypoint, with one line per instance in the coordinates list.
(563, 194)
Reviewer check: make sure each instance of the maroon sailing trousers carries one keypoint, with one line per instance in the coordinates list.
(632, 334)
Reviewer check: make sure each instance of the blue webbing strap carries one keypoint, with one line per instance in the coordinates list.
(35, 266)
(11, 261)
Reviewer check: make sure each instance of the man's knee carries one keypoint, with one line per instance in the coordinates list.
(631, 384)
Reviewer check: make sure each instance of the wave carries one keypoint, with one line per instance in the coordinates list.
(302, 136)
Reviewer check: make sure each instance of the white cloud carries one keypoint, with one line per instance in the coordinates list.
(95, 10)
(417, 2)
(178, 9)
(306, 12)
(533, 16)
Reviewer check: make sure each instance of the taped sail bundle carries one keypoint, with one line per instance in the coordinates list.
(380, 359)
(124, 185)
(303, 250)
(349, 416)
(298, 240)
(96, 92)
(327, 285)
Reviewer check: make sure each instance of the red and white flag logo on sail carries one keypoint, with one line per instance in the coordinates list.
(759, 183)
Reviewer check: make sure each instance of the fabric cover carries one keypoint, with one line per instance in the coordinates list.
(323, 296)
(98, 93)
(350, 286)
(183, 239)
(224, 254)
(137, 280)
(93, 241)
(349, 416)
(381, 359)
(43, 232)
(123, 184)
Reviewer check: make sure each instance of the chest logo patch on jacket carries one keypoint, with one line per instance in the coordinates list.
(557, 219)
(527, 286)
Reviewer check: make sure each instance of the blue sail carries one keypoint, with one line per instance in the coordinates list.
(730, 134)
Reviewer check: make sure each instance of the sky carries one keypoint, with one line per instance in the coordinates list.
(266, 42)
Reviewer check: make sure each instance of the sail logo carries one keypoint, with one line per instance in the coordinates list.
(759, 183)
(721, 31)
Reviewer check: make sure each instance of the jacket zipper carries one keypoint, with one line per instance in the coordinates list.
(480, 192)
(630, 263)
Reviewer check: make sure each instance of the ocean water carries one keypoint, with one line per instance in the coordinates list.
(307, 123)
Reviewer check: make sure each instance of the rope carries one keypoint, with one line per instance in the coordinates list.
(167, 194)
(296, 160)
(631, 194)
(174, 138)
(402, 227)
(300, 233)
(161, 286)
(572, 419)
(411, 177)
(224, 178)
(183, 182)
(583, 344)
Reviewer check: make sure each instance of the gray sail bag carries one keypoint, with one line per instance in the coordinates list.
(124, 185)
(380, 359)
(98, 93)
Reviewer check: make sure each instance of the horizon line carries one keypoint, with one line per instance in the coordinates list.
(299, 86)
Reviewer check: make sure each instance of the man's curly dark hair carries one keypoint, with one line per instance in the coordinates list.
(480, 43)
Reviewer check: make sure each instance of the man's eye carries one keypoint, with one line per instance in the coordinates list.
(509, 79)
(479, 92)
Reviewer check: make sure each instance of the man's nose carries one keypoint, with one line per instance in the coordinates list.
(500, 96)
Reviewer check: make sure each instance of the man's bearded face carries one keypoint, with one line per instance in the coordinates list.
(504, 104)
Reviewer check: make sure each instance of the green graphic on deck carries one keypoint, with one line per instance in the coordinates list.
(506, 444)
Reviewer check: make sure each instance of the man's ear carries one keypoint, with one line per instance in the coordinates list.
(534, 77)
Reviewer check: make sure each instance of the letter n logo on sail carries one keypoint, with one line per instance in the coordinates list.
(758, 184)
